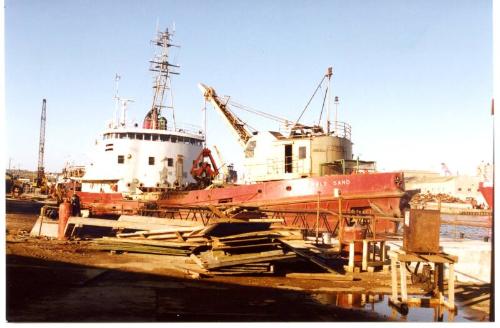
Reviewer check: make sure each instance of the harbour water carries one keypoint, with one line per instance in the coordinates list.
(479, 228)
(379, 304)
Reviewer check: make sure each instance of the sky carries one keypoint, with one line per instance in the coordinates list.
(414, 78)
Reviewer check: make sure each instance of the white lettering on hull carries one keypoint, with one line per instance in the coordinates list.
(344, 182)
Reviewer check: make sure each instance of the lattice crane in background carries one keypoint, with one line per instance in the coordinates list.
(40, 179)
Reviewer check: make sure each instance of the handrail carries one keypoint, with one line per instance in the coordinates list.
(341, 130)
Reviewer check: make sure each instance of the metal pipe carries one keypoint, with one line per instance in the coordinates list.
(317, 217)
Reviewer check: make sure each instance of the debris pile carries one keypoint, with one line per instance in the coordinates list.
(225, 246)
(434, 198)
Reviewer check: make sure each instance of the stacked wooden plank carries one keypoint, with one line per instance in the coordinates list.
(224, 246)
(234, 241)
(169, 240)
(251, 252)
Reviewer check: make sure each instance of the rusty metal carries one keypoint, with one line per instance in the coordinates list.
(421, 231)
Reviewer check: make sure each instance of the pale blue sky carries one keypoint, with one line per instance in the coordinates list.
(414, 77)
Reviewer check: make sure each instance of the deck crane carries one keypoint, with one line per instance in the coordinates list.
(240, 128)
(40, 179)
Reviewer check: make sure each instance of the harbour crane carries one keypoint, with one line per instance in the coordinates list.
(40, 179)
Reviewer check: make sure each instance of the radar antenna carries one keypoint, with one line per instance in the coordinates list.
(161, 65)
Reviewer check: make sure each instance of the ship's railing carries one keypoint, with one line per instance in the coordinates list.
(185, 128)
(341, 130)
(182, 128)
(278, 167)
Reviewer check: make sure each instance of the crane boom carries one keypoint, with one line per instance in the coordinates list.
(41, 147)
(236, 124)
(223, 165)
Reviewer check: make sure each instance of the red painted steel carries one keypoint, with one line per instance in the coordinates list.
(294, 189)
(64, 214)
(359, 192)
(487, 192)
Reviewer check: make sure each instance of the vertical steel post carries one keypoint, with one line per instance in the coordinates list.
(317, 218)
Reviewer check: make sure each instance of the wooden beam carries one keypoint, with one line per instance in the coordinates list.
(146, 242)
(320, 276)
(156, 220)
(260, 258)
(75, 220)
(216, 211)
(435, 258)
(173, 230)
(228, 247)
(311, 258)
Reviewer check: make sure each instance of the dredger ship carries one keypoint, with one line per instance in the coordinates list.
(161, 164)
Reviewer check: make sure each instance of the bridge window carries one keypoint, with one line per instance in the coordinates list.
(164, 137)
(155, 137)
(122, 135)
(147, 136)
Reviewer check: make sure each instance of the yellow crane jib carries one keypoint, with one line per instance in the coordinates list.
(237, 124)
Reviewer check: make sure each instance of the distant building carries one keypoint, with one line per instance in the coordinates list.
(459, 186)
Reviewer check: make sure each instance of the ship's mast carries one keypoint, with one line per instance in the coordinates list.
(329, 74)
(161, 65)
(120, 116)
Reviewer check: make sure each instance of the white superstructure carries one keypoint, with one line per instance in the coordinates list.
(153, 157)
(302, 151)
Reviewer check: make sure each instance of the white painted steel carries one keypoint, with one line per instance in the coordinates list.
(136, 171)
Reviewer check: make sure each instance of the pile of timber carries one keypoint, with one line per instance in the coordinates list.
(251, 252)
(245, 242)
(224, 246)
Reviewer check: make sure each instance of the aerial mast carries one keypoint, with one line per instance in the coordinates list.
(336, 112)
(329, 73)
(41, 146)
(163, 67)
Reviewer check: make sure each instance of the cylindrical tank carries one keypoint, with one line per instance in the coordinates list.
(64, 214)
(147, 123)
(327, 149)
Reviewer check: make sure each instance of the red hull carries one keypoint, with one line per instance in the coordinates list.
(487, 193)
(380, 193)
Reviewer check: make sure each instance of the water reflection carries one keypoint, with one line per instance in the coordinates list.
(379, 303)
